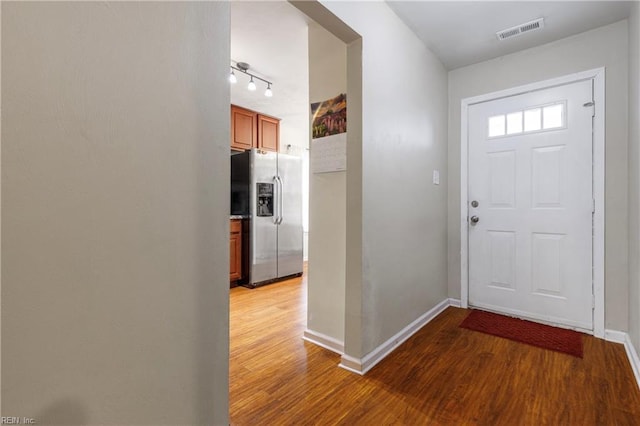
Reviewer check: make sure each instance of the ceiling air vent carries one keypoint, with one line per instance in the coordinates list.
(520, 29)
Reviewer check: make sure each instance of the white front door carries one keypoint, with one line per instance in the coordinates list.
(530, 188)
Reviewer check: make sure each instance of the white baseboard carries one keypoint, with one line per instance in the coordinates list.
(624, 339)
(632, 354)
(324, 341)
(615, 336)
(362, 365)
(456, 303)
(351, 364)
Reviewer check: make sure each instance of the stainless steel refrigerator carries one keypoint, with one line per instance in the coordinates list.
(272, 197)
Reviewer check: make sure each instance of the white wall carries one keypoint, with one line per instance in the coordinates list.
(634, 175)
(402, 235)
(115, 177)
(327, 196)
(606, 46)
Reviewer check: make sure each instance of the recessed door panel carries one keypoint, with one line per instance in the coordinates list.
(547, 177)
(502, 178)
(502, 254)
(547, 260)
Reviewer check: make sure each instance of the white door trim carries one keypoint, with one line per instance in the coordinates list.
(598, 76)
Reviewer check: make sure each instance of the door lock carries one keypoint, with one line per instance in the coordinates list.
(474, 203)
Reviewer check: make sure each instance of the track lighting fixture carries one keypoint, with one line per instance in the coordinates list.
(243, 67)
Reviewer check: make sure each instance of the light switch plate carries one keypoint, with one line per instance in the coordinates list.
(436, 177)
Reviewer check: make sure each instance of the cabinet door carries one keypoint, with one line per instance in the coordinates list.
(268, 133)
(243, 128)
(235, 251)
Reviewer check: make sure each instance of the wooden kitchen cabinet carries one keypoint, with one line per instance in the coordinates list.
(250, 129)
(244, 129)
(235, 251)
(268, 133)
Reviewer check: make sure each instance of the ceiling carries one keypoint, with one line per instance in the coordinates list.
(463, 32)
(271, 36)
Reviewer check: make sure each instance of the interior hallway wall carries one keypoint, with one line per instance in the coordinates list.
(402, 232)
(115, 183)
(602, 47)
(634, 175)
(327, 198)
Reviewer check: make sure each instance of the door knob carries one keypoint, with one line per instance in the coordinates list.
(474, 219)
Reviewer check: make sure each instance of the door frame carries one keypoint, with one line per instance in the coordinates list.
(598, 76)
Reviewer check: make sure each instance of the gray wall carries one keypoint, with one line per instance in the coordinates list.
(634, 175)
(402, 233)
(327, 198)
(115, 133)
(602, 47)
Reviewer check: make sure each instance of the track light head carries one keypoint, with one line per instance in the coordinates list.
(251, 86)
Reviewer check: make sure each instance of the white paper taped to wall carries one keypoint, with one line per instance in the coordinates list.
(329, 154)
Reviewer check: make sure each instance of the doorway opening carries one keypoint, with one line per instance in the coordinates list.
(306, 63)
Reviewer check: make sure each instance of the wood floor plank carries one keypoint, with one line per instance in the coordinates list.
(443, 375)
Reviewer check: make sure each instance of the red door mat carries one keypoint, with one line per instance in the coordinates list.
(531, 333)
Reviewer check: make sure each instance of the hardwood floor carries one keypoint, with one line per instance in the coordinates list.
(443, 375)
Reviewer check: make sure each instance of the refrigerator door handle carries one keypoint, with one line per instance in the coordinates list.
(281, 198)
(276, 196)
(278, 201)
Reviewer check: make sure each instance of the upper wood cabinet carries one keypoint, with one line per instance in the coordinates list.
(268, 133)
(244, 134)
(250, 129)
